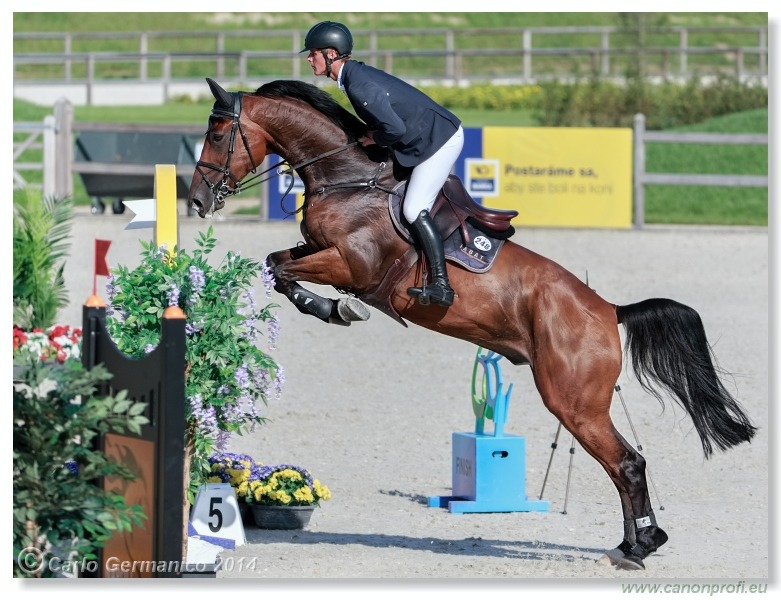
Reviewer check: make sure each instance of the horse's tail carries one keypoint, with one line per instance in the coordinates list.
(666, 343)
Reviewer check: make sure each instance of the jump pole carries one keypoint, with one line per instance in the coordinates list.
(166, 222)
(159, 212)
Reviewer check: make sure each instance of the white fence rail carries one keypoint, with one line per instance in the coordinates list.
(243, 56)
(642, 178)
(51, 140)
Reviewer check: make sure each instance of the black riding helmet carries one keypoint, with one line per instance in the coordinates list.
(329, 34)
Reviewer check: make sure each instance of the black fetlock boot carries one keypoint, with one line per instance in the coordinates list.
(439, 290)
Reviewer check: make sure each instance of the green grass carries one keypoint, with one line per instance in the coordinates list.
(710, 205)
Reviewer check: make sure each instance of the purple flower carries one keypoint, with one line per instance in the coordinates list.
(72, 466)
(239, 411)
(261, 380)
(242, 376)
(191, 327)
(205, 417)
(273, 332)
(250, 296)
(268, 279)
(197, 279)
(221, 442)
(173, 295)
(111, 288)
(279, 382)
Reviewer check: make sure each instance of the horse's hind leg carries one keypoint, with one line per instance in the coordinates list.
(340, 312)
(580, 397)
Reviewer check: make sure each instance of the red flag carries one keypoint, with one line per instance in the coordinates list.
(101, 249)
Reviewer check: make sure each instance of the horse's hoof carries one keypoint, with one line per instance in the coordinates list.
(630, 562)
(350, 309)
(622, 562)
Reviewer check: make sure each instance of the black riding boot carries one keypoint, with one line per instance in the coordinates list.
(439, 290)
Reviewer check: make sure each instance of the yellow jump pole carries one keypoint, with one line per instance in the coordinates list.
(166, 223)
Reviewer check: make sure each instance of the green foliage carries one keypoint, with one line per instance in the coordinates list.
(41, 228)
(60, 510)
(226, 373)
(600, 103)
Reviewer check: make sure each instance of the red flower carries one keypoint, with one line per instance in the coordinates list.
(58, 342)
(57, 331)
(19, 338)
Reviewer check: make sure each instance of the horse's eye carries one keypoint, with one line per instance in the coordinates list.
(217, 137)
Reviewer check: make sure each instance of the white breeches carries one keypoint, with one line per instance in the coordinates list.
(429, 177)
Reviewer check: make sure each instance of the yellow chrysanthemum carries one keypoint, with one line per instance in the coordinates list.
(238, 475)
(280, 496)
(257, 493)
(290, 474)
(304, 494)
(321, 490)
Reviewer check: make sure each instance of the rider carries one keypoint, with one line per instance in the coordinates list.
(423, 135)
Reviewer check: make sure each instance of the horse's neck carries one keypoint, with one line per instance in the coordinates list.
(300, 133)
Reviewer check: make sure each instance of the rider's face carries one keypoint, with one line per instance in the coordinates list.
(317, 61)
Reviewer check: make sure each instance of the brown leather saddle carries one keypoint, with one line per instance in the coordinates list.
(472, 236)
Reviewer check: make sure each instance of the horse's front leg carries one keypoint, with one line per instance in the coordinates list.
(283, 266)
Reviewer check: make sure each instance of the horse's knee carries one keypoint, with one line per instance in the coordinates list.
(272, 261)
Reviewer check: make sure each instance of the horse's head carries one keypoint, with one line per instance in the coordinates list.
(228, 153)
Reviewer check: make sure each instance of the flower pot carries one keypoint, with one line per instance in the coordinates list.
(245, 510)
(282, 517)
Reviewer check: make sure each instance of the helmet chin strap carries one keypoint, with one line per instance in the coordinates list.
(330, 61)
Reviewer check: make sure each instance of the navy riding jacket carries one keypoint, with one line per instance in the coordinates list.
(401, 116)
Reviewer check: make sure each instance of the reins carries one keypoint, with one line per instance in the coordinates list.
(371, 183)
(222, 190)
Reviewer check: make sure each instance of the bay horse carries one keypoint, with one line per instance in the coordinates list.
(525, 307)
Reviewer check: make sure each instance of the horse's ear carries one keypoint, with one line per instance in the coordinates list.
(223, 98)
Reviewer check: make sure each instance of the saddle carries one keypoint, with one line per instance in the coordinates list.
(472, 235)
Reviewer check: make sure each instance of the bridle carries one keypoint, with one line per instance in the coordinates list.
(222, 190)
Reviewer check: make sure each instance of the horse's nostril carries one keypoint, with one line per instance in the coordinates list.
(197, 206)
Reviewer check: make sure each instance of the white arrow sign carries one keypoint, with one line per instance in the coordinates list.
(145, 213)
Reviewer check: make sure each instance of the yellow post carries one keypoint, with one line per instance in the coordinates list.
(166, 223)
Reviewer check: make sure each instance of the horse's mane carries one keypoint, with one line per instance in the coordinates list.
(317, 99)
